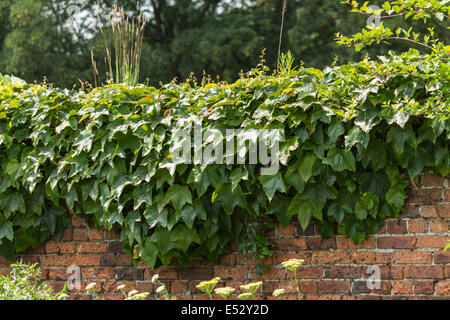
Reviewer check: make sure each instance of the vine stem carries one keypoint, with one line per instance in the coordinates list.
(297, 282)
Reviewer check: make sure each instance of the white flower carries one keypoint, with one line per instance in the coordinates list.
(278, 292)
(132, 293)
(121, 287)
(90, 286)
(155, 278)
(160, 289)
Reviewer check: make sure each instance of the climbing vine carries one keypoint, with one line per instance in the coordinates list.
(351, 136)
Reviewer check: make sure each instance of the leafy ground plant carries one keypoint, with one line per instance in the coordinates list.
(23, 283)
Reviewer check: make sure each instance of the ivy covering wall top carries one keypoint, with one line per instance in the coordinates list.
(352, 137)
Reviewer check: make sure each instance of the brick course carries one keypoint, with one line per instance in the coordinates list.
(408, 251)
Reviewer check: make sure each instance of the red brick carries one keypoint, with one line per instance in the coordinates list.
(441, 257)
(371, 257)
(97, 273)
(80, 235)
(411, 211)
(92, 247)
(287, 244)
(96, 235)
(395, 272)
(307, 272)
(429, 211)
(417, 226)
(402, 287)
(179, 287)
(110, 235)
(67, 235)
(396, 227)
(396, 242)
(250, 260)
(164, 273)
(438, 226)
(227, 260)
(432, 181)
(322, 297)
(60, 247)
(432, 241)
(447, 195)
(443, 287)
(344, 272)
(423, 287)
(321, 244)
(196, 273)
(332, 257)
(424, 196)
(424, 272)
(415, 257)
(347, 244)
(78, 260)
(58, 274)
(333, 286)
(115, 260)
(78, 223)
(289, 231)
(270, 273)
(231, 272)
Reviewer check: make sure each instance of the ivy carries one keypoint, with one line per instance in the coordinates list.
(352, 136)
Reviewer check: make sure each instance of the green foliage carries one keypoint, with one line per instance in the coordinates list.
(423, 10)
(351, 136)
(24, 284)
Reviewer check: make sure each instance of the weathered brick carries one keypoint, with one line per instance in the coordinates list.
(287, 244)
(321, 244)
(396, 242)
(80, 235)
(402, 287)
(443, 287)
(348, 244)
(424, 196)
(96, 235)
(115, 260)
(333, 286)
(396, 227)
(196, 273)
(370, 257)
(438, 226)
(414, 257)
(432, 241)
(92, 247)
(430, 180)
(343, 272)
(423, 287)
(429, 211)
(332, 257)
(129, 273)
(231, 272)
(417, 226)
(360, 286)
(288, 231)
(441, 257)
(424, 272)
(411, 211)
(60, 247)
(269, 273)
(97, 273)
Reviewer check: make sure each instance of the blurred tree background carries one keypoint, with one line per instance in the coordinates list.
(54, 38)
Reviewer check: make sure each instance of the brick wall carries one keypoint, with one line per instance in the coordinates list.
(408, 252)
